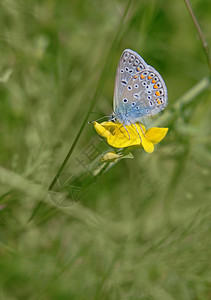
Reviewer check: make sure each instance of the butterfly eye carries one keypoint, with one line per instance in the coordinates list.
(147, 111)
(137, 107)
(136, 86)
(151, 74)
(133, 103)
(147, 86)
(158, 85)
(149, 97)
(126, 69)
(145, 73)
(151, 103)
(129, 87)
(144, 83)
(149, 92)
(131, 71)
(121, 71)
(125, 100)
(161, 92)
(155, 78)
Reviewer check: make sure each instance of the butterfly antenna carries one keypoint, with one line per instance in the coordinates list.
(90, 122)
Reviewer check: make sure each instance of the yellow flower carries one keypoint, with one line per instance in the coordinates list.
(113, 156)
(117, 136)
(110, 156)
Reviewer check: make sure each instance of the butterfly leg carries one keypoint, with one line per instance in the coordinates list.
(126, 130)
(138, 132)
(142, 130)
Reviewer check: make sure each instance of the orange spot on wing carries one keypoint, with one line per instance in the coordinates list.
(157, 93)
(155, 86)
(135, 76)
(142, 76)
(158, 101)
(138, 69)
(149, 77)
(153, 81)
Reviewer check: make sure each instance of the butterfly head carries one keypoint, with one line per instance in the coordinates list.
(113, 118)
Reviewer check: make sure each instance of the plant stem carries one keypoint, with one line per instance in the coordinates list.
(204, 43)
(94, 100)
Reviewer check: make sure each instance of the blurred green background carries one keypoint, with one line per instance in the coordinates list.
(142, 230)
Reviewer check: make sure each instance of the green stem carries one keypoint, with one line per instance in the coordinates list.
(204, 43)
(95, 98)
(184, 100)
(192, 93)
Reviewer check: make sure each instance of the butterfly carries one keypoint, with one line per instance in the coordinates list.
(139, 91)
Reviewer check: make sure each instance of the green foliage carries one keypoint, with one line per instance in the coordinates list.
(142, 229)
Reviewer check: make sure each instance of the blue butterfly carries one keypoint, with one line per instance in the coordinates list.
(139, 91)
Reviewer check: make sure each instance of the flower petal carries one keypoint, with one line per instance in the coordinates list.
(110, 156)
(108, 124)
(147, 145)
(101, 130)
(141, 128)
(156, 134)
(121, 138)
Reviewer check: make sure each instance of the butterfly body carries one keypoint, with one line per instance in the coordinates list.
(139, 92)
(127, 114)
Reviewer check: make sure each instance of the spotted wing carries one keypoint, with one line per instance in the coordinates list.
(130, 64)
(144, 93)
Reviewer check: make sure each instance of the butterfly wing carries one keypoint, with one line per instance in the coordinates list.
(129, 64)
(139, 89)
